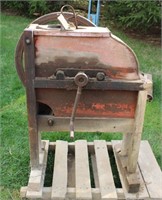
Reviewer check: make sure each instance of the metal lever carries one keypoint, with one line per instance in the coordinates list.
(63, 21)
(81, 80)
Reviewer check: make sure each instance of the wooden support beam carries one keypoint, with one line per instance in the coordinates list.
(34, 139)
(86, 124)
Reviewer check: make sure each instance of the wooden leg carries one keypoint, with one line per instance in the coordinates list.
(37, 175)
(34, 148)
(125, 144)
(134, 146)
(126, 153)
(29, 52)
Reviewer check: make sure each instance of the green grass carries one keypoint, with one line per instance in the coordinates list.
(14, 134)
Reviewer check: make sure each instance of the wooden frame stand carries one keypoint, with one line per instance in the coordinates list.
(72, 180)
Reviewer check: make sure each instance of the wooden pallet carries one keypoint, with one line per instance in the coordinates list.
(83, 170)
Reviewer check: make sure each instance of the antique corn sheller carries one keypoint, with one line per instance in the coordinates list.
(79, 77)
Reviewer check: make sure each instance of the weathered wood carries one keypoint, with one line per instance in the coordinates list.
(148, 85)
(86, 124)
(132, 180)
(23, 192)
(137, 131)
(150, 170)
(36, 178)
(142, 193)
(82, 174)
(71, 146)
(125, 143)
(59, 183)
(106, 181)
(120, 193)
(71, 193)
(31, 97)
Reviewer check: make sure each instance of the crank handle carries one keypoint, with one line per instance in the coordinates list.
(81, 80)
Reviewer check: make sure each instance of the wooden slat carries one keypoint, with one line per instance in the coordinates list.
(142, 194)
(150, 170)
(71, 146)
(120, 193)
(106, 182)
(86, 124)
(71, 193)
(82, 174)
(59, 184)
(23, 192)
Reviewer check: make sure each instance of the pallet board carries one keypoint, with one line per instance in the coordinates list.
(83, 171)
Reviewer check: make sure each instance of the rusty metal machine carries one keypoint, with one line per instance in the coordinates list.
(80, 77)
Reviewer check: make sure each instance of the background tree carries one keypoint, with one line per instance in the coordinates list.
(136, 15)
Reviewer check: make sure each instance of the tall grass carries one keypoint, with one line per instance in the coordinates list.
(14, 133)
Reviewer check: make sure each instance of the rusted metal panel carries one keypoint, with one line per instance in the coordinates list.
(92, 103)
(114, 57)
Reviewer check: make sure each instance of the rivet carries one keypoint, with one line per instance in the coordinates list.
(27, 41)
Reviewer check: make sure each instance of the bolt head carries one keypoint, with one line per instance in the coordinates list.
(50, 122)
(60, 75)
(27, 41)
(100, 76)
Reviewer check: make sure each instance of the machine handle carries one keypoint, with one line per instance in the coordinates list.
(81, 80)
(64, 20)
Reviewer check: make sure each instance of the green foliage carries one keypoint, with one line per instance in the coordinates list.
(142, 15)
(137, 15)
(38, 7)
(20, 7)
(32, 7)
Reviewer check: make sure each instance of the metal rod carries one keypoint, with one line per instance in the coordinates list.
(74, 14)
(78, 94)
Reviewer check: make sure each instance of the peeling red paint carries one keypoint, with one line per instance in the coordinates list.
(92, 104)
(106, 53)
